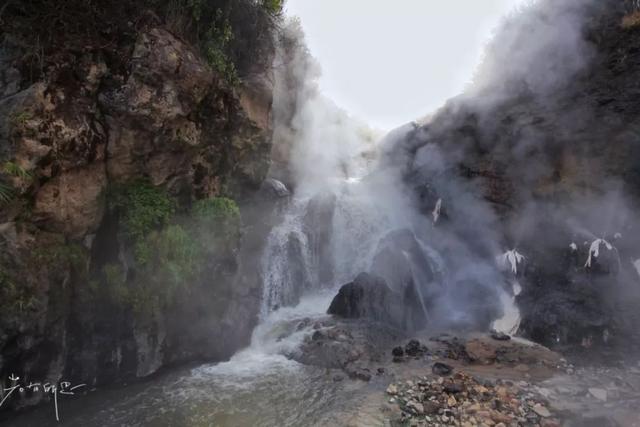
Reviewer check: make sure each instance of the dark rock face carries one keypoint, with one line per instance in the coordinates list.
(164, 117)
(547, 167)
(400, 261)
(405, 267)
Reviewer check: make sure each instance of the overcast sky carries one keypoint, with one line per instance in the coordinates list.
(392, 61)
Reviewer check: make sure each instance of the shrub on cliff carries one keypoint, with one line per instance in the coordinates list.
(141, 208)
(218, 214)
(171, 251)
(236, 36)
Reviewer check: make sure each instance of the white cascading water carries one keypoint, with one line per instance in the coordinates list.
(355, 226)
(279, 285)
(332, 155)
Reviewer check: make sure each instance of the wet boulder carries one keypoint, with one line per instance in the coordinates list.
(273, 189)
(441, 369)
(415, 349)
(409, 269)
(369, 297)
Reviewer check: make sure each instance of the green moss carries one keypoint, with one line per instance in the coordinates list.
(273, 7)
(171, 253)
(142, 208)
(216, 45)
(176, 258)
(172, 261)
(217, 217)
(216, 209)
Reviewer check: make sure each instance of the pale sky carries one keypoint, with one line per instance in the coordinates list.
(389, 62)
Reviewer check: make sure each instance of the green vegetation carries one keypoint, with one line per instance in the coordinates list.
(220, 210)
(10, 169)
(171, 251)
(236, 36)
(142, 208)
(216, 44)
(218, 218)
(273, 7)
(116, 282)
(176, 256)
(19, 118)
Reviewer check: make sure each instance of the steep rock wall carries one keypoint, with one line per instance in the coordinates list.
(544, 159)
(96, 138)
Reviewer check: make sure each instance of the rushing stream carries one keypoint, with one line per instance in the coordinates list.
(260, 385)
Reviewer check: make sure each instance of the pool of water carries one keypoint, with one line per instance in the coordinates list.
(259, 386)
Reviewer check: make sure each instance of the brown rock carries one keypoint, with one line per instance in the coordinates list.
(430, 407)
(480, 351)
(541, 411)
(499, 417)
(72, 203)
(167, 80)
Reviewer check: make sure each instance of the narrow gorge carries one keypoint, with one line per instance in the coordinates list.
(194, 234)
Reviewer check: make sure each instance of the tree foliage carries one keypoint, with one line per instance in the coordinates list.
(236, 36)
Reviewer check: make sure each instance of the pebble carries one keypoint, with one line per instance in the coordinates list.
(463, 401)
(542, 411)
(598, 393)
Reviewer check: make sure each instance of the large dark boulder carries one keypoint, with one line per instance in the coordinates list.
(369, 297)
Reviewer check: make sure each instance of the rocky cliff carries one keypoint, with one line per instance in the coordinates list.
(129, 153)
(542, 158)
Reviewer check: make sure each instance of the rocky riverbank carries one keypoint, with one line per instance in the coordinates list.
(462, 379)
(501, 394)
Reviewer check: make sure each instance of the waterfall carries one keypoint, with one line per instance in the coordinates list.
(322, 242)
(353, 210)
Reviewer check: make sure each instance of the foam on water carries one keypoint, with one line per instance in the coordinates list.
(276, 336)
